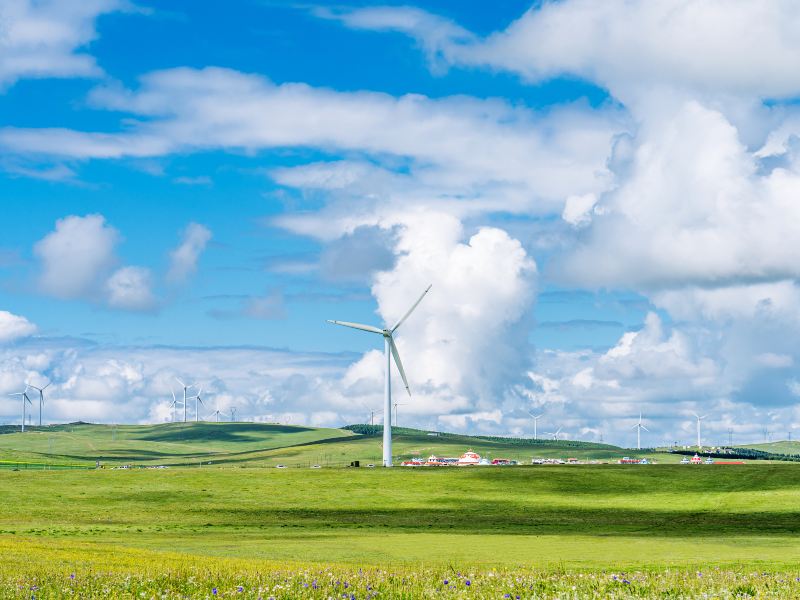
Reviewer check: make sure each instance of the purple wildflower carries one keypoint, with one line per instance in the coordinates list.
(214, 591)
(446, 581)
(626, 582)
(240, 589)
(506, 595)
(468, 582)
(72, 576)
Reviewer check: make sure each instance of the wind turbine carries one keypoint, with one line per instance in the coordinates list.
(173, 404)
(197, 401)
(554, 433)
(389, 350)
(372, 413)
(396, 404)
(41, 398)
(216, 414)
(638, 427)
(535, 423)
(699, 418)
(233, 413)
(185, 387)
(25, 400)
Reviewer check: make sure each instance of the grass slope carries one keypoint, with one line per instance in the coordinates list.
(259, 444)
(168, 444)
(593, 517)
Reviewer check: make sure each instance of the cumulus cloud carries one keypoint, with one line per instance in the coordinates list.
(77, 256)
(183, 259)
(44, 39)
(465, 346)
(129, 288)
(694, 208)
(14, 327)
(77, 261)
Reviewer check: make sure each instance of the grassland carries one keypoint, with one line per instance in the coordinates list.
(259, 444)
(571, 531)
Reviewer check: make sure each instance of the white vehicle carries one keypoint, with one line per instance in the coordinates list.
(370, 466)
(315, 467)
(280, 467)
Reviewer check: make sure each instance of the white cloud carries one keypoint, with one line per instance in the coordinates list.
(129, 288)
(459, 150)
(747, 47)
(183, 259)
(14, 327)
(465, 346)
(77, 261)
(434, 34)
(77, 256)
(44, 39)
(691, 208)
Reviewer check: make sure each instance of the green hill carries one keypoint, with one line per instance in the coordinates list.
(262, 444)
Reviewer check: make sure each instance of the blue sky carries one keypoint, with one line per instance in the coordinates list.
(597, 217)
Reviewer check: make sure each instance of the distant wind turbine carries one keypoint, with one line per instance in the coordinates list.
(555, 433)
(25, 402)
(389, 350)
(197, 401)
(699, 418)
(372, 413)
(185, 387)
(233, 413)
(638, 427)
(216, 414)
(396, 404)
(535, 423)
(41, 398)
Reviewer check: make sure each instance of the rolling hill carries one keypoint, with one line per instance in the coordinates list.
(261, 444)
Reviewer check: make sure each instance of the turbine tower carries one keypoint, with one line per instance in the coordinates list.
(396, 404)
(197, 401)
(699, 418)
(25, 400)
(233, 413)
(535, 423)
(389, 350)
(372, 413)
(41, 398)
(638, 427)
(185, 387)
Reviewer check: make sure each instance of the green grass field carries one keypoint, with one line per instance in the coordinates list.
(536, 531)
(258, 444)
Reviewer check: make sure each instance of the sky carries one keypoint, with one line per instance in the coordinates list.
(604, 196)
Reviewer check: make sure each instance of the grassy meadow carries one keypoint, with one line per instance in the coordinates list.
(265, 445)
(240, 529)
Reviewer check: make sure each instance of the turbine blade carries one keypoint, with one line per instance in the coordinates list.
(635, 426)
(183, 385)
(399, 364)
(410, 310)
(369, 328)
(174, 399)
(47, 386)
(645, 428)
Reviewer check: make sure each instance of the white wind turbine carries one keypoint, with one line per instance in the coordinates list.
(173, 404)
(535, 423)
(185, 387)
(216, 414)
(389, 350)
(25, 400)
(41, 398)
(555, 433)
(197, 401)
(638, 427)
(699, 418)
(372, 413)
(396, 404)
